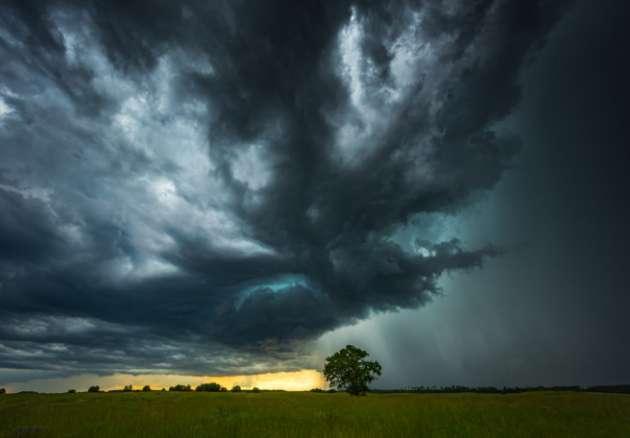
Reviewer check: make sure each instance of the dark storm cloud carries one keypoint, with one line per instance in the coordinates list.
(231, 175)
(553, 310)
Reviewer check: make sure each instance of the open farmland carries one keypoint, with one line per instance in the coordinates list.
(290, 414)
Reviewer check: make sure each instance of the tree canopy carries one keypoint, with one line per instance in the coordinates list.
(349, 370)
(209, 387)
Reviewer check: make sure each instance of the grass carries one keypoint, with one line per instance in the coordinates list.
(287, 414)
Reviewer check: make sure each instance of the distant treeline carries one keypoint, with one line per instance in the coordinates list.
(617, 389)
(215, 387)
(204, 387)
(210, 387)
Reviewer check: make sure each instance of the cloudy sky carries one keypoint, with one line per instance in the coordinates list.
(240, 188)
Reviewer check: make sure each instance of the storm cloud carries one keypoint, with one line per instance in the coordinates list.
(202, 187)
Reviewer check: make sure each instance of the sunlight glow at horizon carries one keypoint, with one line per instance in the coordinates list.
(302, 380)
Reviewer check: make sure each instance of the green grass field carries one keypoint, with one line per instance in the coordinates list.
(286, 414)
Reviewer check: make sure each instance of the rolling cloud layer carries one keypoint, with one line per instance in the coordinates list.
(201, 188)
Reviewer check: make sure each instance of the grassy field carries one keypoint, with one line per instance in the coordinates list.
(278, 414)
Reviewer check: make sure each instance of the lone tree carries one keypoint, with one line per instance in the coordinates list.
(347, 369)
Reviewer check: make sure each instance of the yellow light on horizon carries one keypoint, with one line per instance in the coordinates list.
(301, 380)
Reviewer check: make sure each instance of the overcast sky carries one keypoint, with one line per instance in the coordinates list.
(217, 188)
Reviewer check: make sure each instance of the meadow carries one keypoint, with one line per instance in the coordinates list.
(297, 414)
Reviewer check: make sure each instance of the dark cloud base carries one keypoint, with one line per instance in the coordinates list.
(198, 187)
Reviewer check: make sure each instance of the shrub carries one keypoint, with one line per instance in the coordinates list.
(317, 390)
(209, 387)
(128, 388)
(255, 389)
(236, 388)
(72, 391)
(147, 388)
(3, 391)
(94, 388)
(181, 388)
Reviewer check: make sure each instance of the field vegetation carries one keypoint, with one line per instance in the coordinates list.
(313, 414)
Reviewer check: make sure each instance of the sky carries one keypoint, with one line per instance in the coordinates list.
(235, 190)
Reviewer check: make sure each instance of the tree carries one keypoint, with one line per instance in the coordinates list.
(94, 388)
(347, 369)
(146, 388)
(183, 388)
(208, 387)
(3, 391)
(127, 388)
(236, 388)
(72, 391)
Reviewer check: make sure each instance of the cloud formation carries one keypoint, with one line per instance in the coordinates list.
(200, 188)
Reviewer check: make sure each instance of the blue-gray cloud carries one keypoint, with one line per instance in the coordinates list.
(229, 178)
